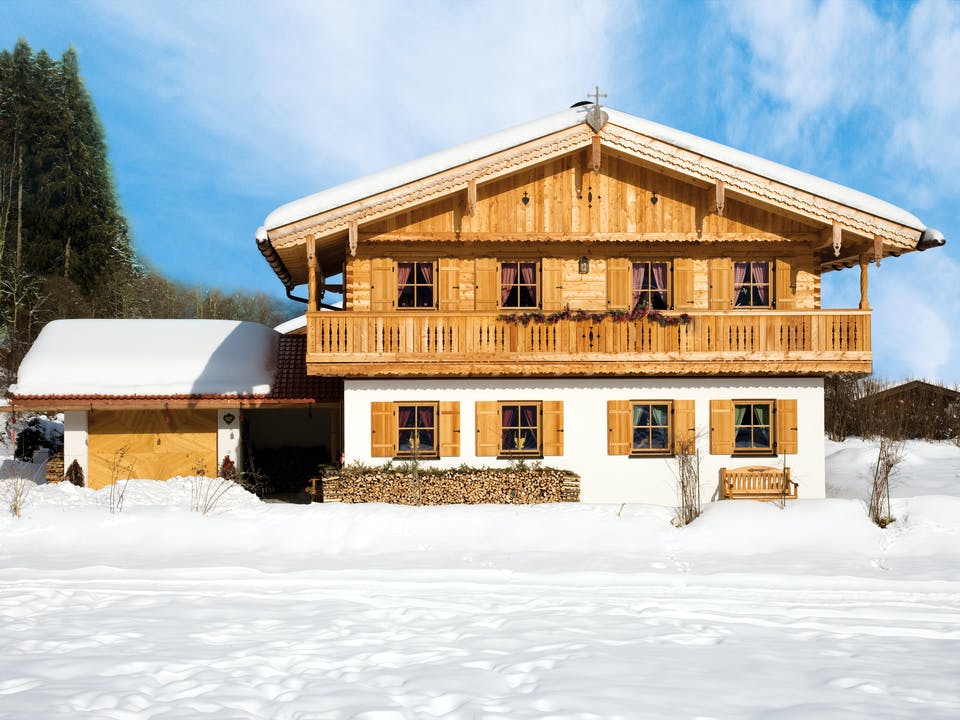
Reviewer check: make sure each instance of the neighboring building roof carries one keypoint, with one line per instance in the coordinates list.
(437, 162)
(914, 386)
(149, 358)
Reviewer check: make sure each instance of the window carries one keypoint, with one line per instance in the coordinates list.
(649, 285)
(650, 426)
(417, 430)
(751, 284)
(415, 285)
(520, 429)
(412, 428)
(645, 428)
(518, 285)
(753, 427)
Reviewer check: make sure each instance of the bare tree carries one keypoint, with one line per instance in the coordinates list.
(687, 473)
(889, 457)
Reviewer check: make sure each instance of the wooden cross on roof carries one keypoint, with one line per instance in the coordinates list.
(596, 118)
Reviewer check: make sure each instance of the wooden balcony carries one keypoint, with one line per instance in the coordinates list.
(421, 344)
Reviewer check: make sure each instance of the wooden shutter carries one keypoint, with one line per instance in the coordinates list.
(721, 427)
(619, 441)
(487, 274)
(488, 428)
(551, 285)
(785, 294)
(619, 284)
(383, 429)
(449, 429)
(721, 284)
(383, 285)
(551, 427)
(448, 285)
(787, 427)
(684, 426)
(683, 284)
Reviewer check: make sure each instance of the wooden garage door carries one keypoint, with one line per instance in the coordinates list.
(158, 444)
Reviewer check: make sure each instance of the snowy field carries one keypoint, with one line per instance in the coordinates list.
(569, 611)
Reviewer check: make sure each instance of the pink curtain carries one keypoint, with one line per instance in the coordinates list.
(426, 273)
(659, 271)
(404, 271)
(528, 416)
(739, 275)
(508, 416)
(639, 273)
(508, 281)
(528, 271)
(425, 416)
(760, 273)
(405, 416)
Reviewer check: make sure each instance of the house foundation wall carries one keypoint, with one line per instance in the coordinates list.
(605, 478)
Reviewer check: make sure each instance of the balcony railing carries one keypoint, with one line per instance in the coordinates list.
(359, 344)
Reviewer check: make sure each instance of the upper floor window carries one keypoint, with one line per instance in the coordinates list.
(751, 284)
(518, 284)
(753, 426)
(415, 285)
(650, 285)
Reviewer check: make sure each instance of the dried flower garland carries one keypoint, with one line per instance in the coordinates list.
(639, 312)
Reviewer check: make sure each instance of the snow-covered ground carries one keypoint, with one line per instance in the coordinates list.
(567, 611)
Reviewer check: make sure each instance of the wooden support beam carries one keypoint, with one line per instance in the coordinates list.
(877, 249)
(864, 264)
(720, 200)
(471, 196)
(313, 303)
(595, 154)
(836, 234)
(352, 236)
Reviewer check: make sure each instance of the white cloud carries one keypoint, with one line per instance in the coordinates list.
(328, 91)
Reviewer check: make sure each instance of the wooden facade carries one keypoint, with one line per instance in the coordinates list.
(584, 215)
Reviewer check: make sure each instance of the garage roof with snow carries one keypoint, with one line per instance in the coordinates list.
(149, 358)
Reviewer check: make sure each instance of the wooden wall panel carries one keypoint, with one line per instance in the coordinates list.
(158, 444)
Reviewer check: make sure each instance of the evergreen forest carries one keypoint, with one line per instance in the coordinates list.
(65, 247)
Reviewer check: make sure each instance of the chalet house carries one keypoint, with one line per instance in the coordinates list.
(592, 291)
(914, 409)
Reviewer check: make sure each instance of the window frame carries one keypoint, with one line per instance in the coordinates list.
(771, 426)
(415, 285)
(517, 284)
(640, 292)
(667, 451)
(413, 454)
(536, 452)
(750, 285)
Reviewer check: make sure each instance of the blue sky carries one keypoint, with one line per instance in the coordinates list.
(217, 112)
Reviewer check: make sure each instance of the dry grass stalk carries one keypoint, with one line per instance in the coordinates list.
(205, 492)
(19, 480)
(118, 469)
(889, 458)
(687, 473)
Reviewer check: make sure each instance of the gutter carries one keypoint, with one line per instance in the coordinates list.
(270, 255)
(930, 238)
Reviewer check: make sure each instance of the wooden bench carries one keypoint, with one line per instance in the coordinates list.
(757, 482)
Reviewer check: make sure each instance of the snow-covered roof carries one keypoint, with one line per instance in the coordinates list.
(296, 323)
(149, 358)
(438, 162)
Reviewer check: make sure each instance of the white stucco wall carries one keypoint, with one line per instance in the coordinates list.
(605, 478)
(75, 439)
(228, 437)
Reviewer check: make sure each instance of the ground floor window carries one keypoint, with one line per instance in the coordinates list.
(417, 430)
(520, 429)
(650, 425)
(753, 426)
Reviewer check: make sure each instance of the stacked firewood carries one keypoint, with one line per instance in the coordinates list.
(408, 486)
(55, 467)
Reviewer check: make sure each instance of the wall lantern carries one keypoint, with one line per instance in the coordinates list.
(584, 265)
